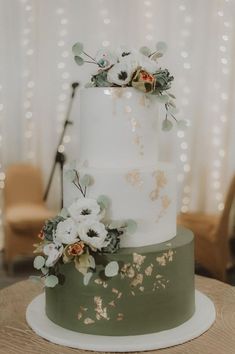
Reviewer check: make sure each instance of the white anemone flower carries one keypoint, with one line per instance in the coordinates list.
(121, 73)
(137, 59)
(66, 232)
(105, 59)
(84, 209)
(93, 233)
(53, 252)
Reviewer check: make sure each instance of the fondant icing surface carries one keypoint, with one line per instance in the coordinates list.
(154, 291)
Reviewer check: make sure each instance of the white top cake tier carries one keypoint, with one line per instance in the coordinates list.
(118, 128)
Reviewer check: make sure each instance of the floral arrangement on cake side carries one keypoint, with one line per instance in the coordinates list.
(139, 69)
(78, 234)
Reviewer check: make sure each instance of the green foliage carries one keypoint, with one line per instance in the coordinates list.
(103, 202)
(38, 262)
(77, 49)
(79, 60)
(51, 226)
(51, 281)
(182, 124)
(161, 47)
(163, 80)
(100, 79)
(86, 180)
(145, 51)
(70, 175)
(167, 125)
(131, 226)
(64, 213)
(113, 237)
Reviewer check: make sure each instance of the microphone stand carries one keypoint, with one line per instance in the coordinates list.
(60, 156)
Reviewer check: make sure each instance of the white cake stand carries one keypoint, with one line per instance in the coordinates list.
(201, 321)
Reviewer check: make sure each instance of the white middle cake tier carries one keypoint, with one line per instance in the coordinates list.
(118, 127)
(146, 195)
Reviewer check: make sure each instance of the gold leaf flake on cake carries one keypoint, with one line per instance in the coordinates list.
(101, 312)
(79, 315)
(148, 271)
(158, 276)
(120, 316)
(165, 203)
(119, 295)
(101, 282)
(138, 280)
(138, 259)
(115, 291)
(160, 182)
(83, 308)
(88, 321)
(133, 293)
(141, 288)
(166, 257)
(134, 178)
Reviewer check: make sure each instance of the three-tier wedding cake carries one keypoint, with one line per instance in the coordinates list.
(114, 262)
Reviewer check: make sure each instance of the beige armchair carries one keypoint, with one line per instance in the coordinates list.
(25, 211)
(212, 236)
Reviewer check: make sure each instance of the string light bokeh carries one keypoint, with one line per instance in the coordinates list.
(220, 95)
(28, 62)
(106, 22)
(63, 71)
(184, 81)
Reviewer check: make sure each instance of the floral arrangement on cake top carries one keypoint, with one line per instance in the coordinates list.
(133, 68)
(78, 234)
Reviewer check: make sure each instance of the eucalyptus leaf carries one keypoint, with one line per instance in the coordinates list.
(103, 201)
(87, 278)
(161, 47)
(51, 281)
(38, 262)
(162, 98)
(35, 279)
(86, 180)
(79, 60)
(88, 85)
(117, 224)
(70, 175)
(64, 213)
(92, 262)
(167, 125)
(131, 226)
(44, 270)
(182, 124)
(145, 51)
(172, 109)
(77, 48)
(111, 269)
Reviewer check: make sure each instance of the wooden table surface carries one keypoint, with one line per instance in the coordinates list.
(16, 337)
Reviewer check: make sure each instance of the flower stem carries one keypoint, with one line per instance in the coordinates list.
(89, 56)
(90, 62)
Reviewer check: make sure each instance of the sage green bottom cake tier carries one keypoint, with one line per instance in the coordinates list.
(154, 291)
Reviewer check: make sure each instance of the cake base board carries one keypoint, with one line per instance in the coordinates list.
(199, 323)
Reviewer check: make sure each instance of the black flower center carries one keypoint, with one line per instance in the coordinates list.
(124, 54)
(92, 233)
(122, 75)
(86, 212)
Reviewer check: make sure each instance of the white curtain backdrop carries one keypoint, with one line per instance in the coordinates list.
(37, 69)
